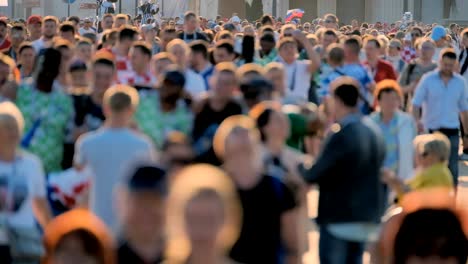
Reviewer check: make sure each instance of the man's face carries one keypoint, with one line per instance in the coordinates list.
(447, 66)
(327, 40)
(84, 52)
(119, 22)
(372, 52)
(9, 133)
(35, 30)
(288, 52)
(180, 55)
(204, 218)
(138, 59)
(103, 77)
(167, 37)
(17, 37)
(267, 46)
(87, 24)
(465, 41)
(196, 58)
(145, 214)
(330, 23)
(3, 32)
(68, 35)
(26, 57)
(107, 23)
(427, 50)
(150, 34)
(191, 24)
(49, 30)
(224, 84)
(222, 55)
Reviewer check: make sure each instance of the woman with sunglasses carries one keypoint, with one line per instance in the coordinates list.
(431, 156)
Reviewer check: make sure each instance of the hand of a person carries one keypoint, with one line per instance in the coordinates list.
(299, 36)
(388, 176)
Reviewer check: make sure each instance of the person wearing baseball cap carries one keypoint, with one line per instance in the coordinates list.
(439, 35)
(142, 203)
(34, 24)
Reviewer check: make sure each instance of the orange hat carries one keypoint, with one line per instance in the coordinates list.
(78, 219)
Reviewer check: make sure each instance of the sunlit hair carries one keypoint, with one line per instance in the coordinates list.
(284, 41)
(164, 56)
(178, 43)
(436, 144)
(274, 66)
(227, 127)
(387, 86)
(250, 68)
(120, 98)
(10, 113)
(195, 182)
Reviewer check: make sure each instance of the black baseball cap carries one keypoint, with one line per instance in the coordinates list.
(148, 178)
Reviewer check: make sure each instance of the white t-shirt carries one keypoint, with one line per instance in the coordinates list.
(83, 31)
(298, 79)
(108, 153)
(194, 84)
(38, 45)
(26, 179)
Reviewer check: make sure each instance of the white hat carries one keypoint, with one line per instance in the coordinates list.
(235, 19)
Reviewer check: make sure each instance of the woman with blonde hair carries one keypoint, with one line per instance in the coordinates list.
(205, 216)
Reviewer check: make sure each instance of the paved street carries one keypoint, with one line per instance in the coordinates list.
(312, 256)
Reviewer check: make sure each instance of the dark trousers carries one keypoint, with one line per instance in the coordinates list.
(5, 257)
(454, 137)
(333, 250)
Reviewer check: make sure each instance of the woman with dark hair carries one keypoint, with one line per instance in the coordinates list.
(46, 111)
(78, 237)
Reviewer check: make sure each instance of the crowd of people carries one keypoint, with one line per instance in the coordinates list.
(188, 140)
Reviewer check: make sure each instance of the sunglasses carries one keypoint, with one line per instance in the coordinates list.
(329, 21)
(415, 35)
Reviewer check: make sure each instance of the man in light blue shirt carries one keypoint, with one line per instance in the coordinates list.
(442, 95)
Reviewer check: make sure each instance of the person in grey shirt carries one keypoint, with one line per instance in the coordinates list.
(108, 151)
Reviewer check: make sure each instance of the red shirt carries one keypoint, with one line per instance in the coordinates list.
(384, 70)
(5, 45)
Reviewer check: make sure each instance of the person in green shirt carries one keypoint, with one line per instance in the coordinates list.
(164, 110)
(47, 112)
(268, 51)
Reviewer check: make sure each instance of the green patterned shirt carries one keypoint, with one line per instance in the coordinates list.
(55, 112)
(158, 124)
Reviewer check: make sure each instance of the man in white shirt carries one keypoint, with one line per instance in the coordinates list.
(298, 73)
(442, 96)
(49, 31)
(22, 178)
(194, 83)
(110, 150)
(87, 27)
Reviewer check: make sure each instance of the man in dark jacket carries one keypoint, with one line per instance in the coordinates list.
(352, 197)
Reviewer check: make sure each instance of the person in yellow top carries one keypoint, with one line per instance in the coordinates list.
(432, 152)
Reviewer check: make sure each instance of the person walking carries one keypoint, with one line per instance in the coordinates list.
(441, 95)
(352, 197)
